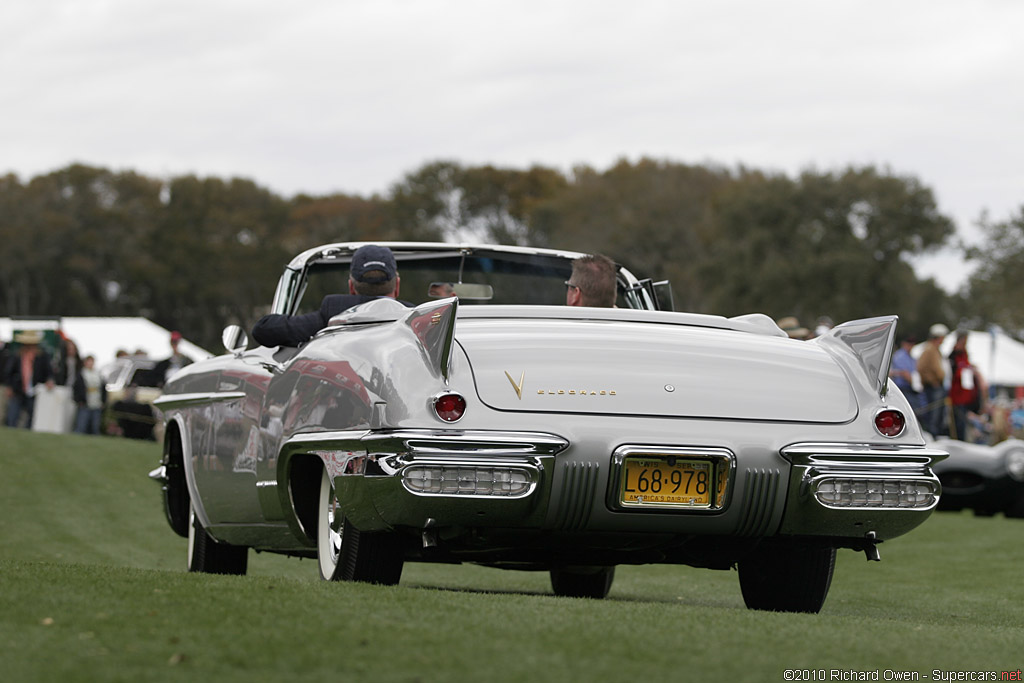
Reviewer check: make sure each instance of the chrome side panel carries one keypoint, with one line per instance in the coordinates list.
(216, 405)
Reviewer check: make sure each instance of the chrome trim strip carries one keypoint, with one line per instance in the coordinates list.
(424, 441)
(318, 439)
(173, 401)
(436, 441)
(873, 455)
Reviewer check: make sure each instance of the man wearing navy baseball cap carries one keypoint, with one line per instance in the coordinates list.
(373, 274)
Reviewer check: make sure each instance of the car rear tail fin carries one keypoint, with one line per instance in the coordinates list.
(871, 342)
(433, 324)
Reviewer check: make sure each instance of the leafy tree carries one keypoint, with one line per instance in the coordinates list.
(444, 200)
(337, 218)
(195, 253)
(214, 256)
(18, 256)
(994, 287)
(824, 244)
(71, 238)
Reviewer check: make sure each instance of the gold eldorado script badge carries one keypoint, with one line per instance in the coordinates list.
(556, 392)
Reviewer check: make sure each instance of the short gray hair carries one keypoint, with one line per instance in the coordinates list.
(594, 275)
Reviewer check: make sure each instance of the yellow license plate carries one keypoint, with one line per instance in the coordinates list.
(667, 481)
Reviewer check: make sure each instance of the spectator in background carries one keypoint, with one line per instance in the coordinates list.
(5, 358)
(30, 368)
(592, 282)
(933, 376)
(902, 371)
(167, 368)
(90, 394)
(965, 387)
(791, 326)
(66, 364)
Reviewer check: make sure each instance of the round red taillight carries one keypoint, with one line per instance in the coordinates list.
(890, 422)
(450, 407)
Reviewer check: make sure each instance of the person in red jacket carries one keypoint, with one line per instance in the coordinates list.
(966, 389)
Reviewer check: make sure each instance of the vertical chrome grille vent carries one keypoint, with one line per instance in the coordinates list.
(576, 498)
(760, 491)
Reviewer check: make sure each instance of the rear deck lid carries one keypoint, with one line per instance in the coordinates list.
(639, 368)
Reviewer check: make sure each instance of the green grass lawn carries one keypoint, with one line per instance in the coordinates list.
(93, 587)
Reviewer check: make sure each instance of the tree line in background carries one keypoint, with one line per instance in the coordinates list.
(194, 254)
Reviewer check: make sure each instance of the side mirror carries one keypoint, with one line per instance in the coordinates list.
(663, 296)
(234, 339)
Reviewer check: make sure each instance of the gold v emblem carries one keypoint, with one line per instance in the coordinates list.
(517, 387)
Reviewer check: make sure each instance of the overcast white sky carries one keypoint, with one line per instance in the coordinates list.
(348, 95)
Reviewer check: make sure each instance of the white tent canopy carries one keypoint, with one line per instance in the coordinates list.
(997, 356)
(103, 337)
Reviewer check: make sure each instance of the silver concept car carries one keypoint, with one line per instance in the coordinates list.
(982, 478)
(500, 427)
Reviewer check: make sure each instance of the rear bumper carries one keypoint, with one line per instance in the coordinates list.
(425, 478)
(859, 491)
(460, 480)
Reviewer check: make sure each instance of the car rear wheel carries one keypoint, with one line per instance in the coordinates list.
(582, 582)
(345, 553)
(787, 579)
(210, 557)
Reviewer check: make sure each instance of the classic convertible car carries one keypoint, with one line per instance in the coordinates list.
(500, 427)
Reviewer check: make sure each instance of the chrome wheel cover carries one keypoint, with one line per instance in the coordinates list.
(329, 529)
(191, 533)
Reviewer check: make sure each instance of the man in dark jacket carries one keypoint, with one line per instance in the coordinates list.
(30, 368)
(168, 367)
(373, 275)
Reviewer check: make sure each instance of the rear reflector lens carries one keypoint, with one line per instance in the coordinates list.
(890, 422)
(467, 480)
(450, 407)
(841, 492)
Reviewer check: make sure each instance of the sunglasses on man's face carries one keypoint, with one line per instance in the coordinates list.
(569, 284)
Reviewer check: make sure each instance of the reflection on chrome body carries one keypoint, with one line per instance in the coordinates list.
(172, 401)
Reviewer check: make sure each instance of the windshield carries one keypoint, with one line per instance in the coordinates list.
(514, 278)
